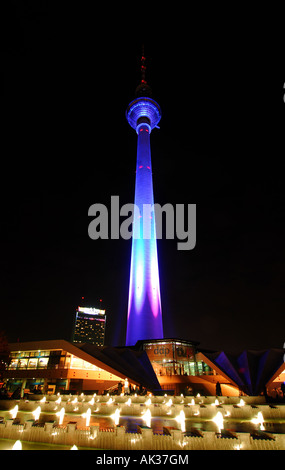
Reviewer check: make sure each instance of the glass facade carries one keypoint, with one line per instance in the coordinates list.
(175, 357)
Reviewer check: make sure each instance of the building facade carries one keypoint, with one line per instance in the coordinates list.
(89, 326)
(182, 367)
(54, 366)
(58, 365)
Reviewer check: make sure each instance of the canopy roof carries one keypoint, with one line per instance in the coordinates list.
(251, 370)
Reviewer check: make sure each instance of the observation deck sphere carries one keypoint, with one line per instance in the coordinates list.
(143, 107)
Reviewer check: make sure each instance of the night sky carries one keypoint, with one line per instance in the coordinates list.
(68, 78)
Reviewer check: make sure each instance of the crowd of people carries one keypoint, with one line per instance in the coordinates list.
(277, 394)
(128, 389)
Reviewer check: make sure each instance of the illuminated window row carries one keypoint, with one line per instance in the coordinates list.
(52, 362)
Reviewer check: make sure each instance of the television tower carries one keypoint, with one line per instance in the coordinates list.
(144, 309)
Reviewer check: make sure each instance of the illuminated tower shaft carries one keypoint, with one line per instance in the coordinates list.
(144, 310)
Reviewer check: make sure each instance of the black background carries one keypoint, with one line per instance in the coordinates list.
(68, 76)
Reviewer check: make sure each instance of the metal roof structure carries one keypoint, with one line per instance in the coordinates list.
(251, 370)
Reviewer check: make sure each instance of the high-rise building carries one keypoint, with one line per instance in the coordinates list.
(89, 326)
(144, 309)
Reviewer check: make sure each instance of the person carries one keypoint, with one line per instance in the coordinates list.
(265, 393)
(120, 388)
(188, 390)
(218, 389)
(283, 389)
(4, 392)
(126, 387)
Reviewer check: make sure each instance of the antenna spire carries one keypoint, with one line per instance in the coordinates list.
(143, 67)
(143, 89)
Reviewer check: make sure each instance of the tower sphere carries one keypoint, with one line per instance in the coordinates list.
(143, 110)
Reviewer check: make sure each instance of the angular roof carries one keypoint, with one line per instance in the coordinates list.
(251, 370)
(127, 362)
(123, 362)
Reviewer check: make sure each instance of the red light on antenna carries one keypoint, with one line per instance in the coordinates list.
(82, 298)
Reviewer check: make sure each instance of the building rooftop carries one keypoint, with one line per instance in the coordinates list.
(166, 340)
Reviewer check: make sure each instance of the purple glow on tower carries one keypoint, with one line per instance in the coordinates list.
(144, 310)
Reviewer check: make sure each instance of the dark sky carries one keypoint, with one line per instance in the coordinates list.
(68, 78)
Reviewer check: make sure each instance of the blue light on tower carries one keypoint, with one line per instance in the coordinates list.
(144, 309)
